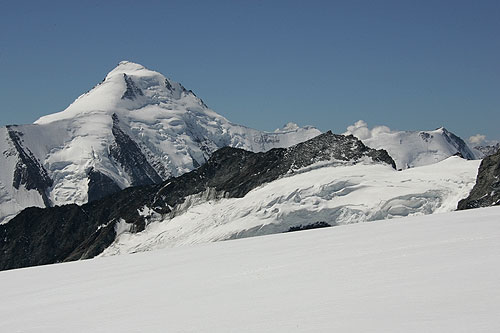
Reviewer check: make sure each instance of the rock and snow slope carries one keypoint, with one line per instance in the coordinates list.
(136, 127)
(435, 273)
(337, 194)
(412, 148)
(487, 150)
(240, 194)
(41, 236)
(486, 191)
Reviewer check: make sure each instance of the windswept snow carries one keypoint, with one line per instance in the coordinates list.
(435, 273)
(335, 194)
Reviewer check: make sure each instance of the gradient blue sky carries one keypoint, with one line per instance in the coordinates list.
(410, 65)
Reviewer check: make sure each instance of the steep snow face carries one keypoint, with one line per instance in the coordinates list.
(13, 199)
(336, 194)
(412, 148)
(435, 273)
(136, 127)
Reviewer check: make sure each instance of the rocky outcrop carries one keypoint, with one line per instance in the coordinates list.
(100, 185)
(129, 155)
(486, 192)
(132, 91)
(28, 172)
(41, 236)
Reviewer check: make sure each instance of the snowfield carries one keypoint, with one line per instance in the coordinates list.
(436, 273)
(335, 193)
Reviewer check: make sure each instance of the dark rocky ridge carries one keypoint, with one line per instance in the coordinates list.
(42, 236)
(100, 185)
(486, 192)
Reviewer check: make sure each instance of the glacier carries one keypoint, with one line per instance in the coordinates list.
(334, 192)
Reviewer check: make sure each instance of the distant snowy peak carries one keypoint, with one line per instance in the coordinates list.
(136, 127)
(412, 148)
(129, 86)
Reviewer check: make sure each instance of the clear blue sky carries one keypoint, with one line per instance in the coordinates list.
(409, 65)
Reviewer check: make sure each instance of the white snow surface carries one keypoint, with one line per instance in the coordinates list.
(411, 148)
(436, 273)
(174, 129)
(338, 193)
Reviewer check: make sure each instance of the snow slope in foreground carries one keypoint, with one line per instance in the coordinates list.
(436, 273)
(336, 194)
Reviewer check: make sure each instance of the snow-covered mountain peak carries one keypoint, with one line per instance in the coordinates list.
(145, 78)
(135, 127)
(129, 86)
(129, 67)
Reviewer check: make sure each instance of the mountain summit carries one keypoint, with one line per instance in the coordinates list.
(136, 127)
(129, 86)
